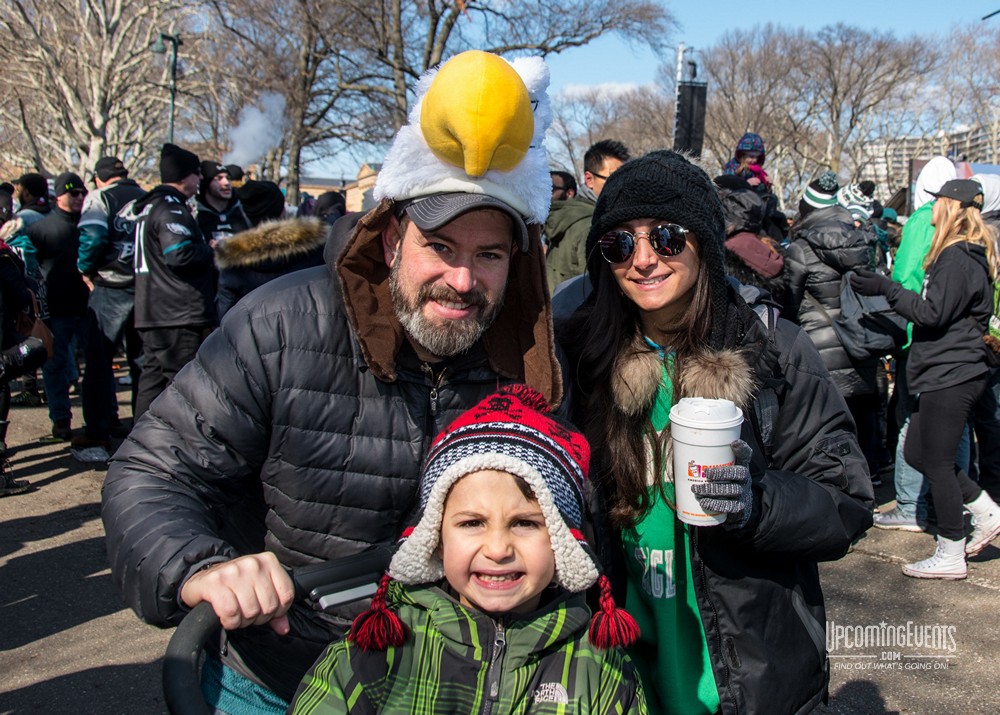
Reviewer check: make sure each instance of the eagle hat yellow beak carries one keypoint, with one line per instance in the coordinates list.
(477, 114)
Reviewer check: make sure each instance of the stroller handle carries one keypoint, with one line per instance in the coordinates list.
(181, 679)
(322, 586)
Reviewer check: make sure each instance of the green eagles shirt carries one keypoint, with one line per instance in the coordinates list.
(671, 655)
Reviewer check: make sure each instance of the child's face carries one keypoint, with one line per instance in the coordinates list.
(495, 545)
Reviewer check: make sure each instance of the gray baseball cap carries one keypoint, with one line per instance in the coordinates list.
(430, 213)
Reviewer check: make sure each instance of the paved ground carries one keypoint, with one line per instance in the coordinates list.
(68, 646)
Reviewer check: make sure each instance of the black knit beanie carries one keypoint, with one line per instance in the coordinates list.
(176, 164)
(665, 185)
(261, 200)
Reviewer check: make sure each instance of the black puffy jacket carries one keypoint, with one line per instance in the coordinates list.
(825, 245)
(300, 428)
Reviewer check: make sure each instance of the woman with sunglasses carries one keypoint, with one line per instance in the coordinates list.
(732, 615)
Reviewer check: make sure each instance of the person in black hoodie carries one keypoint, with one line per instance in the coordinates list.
(948, 368)
(174, 276)
(56, 240)
(220, 215)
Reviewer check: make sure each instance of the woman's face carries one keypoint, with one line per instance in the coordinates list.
(661, 287)
(940, 208)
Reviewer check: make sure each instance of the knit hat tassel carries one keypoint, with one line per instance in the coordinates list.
(379, 627)
(611, 626)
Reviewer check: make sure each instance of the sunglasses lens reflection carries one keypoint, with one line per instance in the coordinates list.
(666, 240)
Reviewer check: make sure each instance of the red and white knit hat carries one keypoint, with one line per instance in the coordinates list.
(509, 431)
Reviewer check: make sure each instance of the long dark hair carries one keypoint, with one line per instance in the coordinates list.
(603, 332)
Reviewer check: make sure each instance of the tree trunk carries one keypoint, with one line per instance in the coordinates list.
(294, 157)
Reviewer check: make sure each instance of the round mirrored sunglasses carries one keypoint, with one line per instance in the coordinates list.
(666, 240)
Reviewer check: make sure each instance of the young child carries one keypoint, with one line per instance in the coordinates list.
(482, 609)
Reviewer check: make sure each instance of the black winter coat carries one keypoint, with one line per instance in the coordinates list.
(300, 429)
(758, 589)
(221, 225)
(947, 347)
(825, 245)
(257, 256)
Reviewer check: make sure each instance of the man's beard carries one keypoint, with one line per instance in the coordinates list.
(452, 336)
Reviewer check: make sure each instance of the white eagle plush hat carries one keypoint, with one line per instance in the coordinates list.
(477, 128)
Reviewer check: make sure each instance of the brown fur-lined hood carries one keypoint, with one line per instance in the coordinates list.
(271, 241)
(520, 344)
(724, 374)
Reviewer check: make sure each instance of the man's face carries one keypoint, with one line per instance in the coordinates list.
(220, 188)
(595, 181)
(71, 201)
(559, 190)
(448, 285)
(190, 183)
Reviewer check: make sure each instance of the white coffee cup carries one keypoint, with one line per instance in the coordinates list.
(703, 431)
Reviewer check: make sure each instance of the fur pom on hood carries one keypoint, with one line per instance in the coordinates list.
(271, 241)
(724, 374)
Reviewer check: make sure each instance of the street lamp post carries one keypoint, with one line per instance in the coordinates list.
(161, 49)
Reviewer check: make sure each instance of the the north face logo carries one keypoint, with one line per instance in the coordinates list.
(551, 693)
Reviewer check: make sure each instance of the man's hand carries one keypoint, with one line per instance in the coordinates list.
(248, 591)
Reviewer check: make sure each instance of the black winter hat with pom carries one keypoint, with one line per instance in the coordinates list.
(664, 185)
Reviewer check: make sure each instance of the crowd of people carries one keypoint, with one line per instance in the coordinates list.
(147, 273)
(485, 363)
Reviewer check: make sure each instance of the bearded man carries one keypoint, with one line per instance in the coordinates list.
(298, 432)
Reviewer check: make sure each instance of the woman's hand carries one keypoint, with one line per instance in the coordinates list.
(727, 490)
(868, 282)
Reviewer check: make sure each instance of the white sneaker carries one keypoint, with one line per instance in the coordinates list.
(948, 562)
(986, 527)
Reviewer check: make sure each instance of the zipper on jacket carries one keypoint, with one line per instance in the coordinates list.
(493, 676)
(693, 545)
(436, 383)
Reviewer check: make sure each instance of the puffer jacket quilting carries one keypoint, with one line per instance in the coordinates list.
(825, 246)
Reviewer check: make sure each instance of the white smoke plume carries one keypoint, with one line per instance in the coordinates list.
(259, 130)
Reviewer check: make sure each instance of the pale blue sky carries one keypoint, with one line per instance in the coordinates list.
(702, 23)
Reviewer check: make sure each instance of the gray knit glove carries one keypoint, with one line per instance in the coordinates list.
(727, 490)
